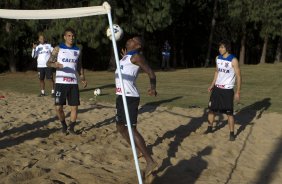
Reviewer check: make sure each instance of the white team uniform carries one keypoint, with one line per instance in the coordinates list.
(226, 74)
(43, 53)
(129, 74)
(68, 57)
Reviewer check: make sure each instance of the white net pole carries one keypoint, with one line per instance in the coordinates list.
(125, 102)
(80, 12)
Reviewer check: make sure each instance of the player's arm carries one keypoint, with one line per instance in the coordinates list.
(139, 60)
(235, 64)
(214, 78)
(52, 61)
(123, 52)
(34, 53)
(80, 71)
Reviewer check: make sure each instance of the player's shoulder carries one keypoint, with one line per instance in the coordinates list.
(138, 58)
(233, 58)
(64, 46)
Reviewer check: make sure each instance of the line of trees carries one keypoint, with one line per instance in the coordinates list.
(193, 29)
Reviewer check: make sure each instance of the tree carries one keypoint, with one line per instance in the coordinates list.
(239, 10)
(278, 50)
(267, 14)
(211, 33)
(11, 37)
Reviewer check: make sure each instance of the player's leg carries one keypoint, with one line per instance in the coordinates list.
(41, 76)
(73, 102)
(61, 116)
(141, 145)
(133, 103)
(73, 118)
(123, 130)
(229, 99)
(231, 123)
(211, 117)
(167, 61)
(121, 121)
(163, 62)
(49, 77)
(60, 101)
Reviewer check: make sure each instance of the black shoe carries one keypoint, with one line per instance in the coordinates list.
(65, 130)
(71, 128)
(53, 95)
(64, 127)
(209, 130)
(231, 137)
(71, 131)
(41, 95)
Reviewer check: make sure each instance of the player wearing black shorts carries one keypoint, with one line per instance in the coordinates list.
(65, 58)
(43, 51)
(222, 93)
(132, 104)
(130, 64)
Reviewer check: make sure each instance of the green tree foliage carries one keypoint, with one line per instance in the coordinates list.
(267, 15)
(144, 16)
(14, 36)
(239, 12)
(186, 23)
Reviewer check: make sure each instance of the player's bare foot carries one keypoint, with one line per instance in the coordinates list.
(151, 167)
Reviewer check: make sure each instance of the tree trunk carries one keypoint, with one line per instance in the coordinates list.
(11, 56)
(174, 59)
(278, 51)
(263, 54)
(243, 48)
(181, 53)
(211, 34)
(12, 61)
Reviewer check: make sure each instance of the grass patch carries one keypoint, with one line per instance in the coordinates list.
(181, 88)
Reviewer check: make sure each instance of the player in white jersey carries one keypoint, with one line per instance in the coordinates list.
(222, 93)
(43, 51)
(65, 58)
(130, 64)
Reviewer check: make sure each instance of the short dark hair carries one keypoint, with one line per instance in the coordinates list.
(226, 44)
(69, 29)
(41, 34)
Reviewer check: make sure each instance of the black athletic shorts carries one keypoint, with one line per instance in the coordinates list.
(132, 104)
(42, 72)
(221, 100)
(69, 92)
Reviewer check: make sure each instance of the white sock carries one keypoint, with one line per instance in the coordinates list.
(42, 92)
(52, 91)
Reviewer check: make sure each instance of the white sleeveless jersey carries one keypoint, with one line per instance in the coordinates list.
(69, 57)
(226, 74)
(129, 73)
(43, 53)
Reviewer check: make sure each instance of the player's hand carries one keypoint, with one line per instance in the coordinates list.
(58, 65)
(55, 51)
(84, 82)
(237, 97)
(123, 52)
(210, 88)
(34, 45)
(152, 92)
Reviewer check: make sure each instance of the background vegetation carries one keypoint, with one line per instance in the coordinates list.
(193, 28)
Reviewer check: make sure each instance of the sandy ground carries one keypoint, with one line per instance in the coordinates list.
(33, 149)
